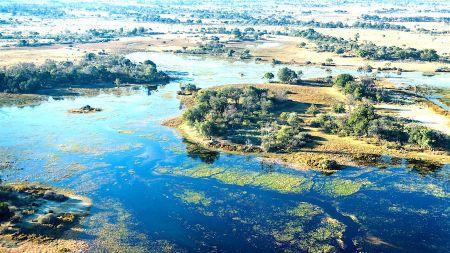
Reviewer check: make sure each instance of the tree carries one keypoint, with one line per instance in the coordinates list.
(299, 74)
(429, 55)
(342, 79)
(287, 75)
(269, 76)
(117, 82)
(237, 33)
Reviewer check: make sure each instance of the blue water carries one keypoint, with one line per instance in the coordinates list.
(114, 157)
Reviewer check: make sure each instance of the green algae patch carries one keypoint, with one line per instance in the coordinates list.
(288, 233)
(193, 197)
(312, 231)
(114, 230)
(236, 178)
(203, 171)
(306, 210)
(342, 187)
(281, 182)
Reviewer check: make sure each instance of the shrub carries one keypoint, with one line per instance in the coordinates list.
(285, 138)
(269, 76)
(313, 110)
(425, 137)
(287, 75)
(208, 128)
(338, 108)
(342, 79)
(290, 118)
(359, 119)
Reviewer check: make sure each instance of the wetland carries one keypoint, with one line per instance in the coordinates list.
(150, 188)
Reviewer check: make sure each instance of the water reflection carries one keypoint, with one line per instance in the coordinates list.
(196, 151)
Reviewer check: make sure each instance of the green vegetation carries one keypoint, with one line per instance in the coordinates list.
(276, 181)
(287, 75)
(193, 197)
(364, 88)
(313, 110)
(305, 210)
(363, 121)
(269, 76)
(326, 43)
(342, 187)
(91, 70)
(245, 116)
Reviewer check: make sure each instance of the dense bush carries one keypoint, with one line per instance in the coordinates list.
(244, 116)
(287, 75)
(426, 138)
(338, 108)
(313, 110)
(216, 111)
(5, 212)
(284, 138)
(92, 69)
(360, 89)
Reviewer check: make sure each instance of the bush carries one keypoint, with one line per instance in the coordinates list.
(313, 110)
(359, 119)
(285, 138)
(93, 68)
(360, 89)
(269, 76)
(290, 118)
(287, 75)
(426, 138)
(209, 128)
(342, 79)
(327, 123)
(338, 108)
(363, 121)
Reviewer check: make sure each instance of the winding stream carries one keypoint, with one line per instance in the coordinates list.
(152, 191)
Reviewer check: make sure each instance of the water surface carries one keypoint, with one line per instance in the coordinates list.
(152, 191)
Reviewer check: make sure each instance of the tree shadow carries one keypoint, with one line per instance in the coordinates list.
(197, 152)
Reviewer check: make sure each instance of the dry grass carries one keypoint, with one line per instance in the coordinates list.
(288, 51)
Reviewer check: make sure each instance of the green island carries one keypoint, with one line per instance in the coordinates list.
(309, 123)
(91, 70)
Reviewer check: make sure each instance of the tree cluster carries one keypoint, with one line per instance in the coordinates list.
(244, 116)
(363, 121)
(362, 89)
(92, 69)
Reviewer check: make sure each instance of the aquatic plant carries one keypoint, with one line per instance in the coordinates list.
(305, 210)
(426, 188)
(341, 187)
(281, 182)
(193, 197)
